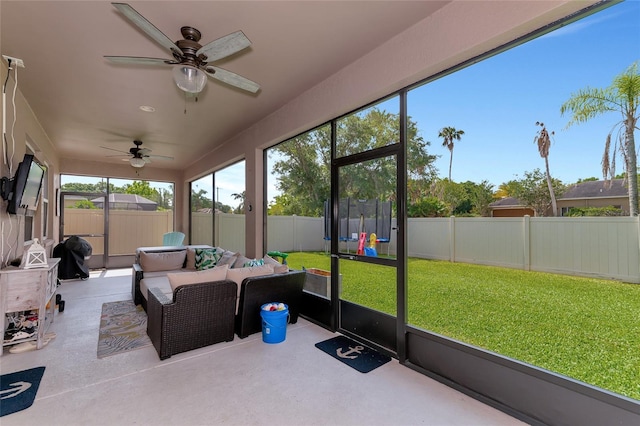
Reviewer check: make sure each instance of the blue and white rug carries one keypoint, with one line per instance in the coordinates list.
(18, 390)
(353, 354)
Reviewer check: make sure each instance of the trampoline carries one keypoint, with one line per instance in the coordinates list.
(356, 216)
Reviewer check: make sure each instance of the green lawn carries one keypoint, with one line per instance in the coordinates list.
(587, 329)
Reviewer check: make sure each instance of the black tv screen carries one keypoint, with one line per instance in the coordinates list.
(27, 184)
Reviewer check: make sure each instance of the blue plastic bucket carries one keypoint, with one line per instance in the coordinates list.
(274, 324)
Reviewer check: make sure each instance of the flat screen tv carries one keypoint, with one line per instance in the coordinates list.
(27, 184)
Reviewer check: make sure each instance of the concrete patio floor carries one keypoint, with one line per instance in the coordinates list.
(241, 382)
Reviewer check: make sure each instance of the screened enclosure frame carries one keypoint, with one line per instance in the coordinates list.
(524, 391)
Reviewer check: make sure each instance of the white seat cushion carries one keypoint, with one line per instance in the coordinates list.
(217, 273)
(161, 282)
(162, 273)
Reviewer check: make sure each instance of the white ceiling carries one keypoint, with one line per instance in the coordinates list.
(85, 102)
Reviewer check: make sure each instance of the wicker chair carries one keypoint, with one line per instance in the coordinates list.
(199, 315)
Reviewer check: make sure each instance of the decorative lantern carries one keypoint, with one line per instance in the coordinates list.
(36, 256)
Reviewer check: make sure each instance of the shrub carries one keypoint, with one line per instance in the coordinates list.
(84, 204)
(595, 211)
(427, 207)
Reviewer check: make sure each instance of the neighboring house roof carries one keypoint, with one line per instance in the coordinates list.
(615, 188)
(590, 189)
(507, 202)
(128, 201)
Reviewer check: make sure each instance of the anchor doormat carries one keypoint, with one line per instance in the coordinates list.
(18, 390)
(353, 354)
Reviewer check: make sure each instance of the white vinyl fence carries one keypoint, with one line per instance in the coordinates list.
(606, 247)
(128, 229)
(229, 232)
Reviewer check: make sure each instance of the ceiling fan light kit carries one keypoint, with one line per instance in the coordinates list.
(137, 162)
(189, 79)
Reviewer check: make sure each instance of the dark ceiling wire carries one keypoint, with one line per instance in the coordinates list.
(3, 261)
(4, 86)
(5, 143)
(9, 160)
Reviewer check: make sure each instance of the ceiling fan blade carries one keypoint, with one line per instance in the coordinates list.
(116, 150)
(147, 27)
(144, 151)
(122, 155)
(146, 159)
(139, 61)
(233, 79)
(162, 157)
(224, 46)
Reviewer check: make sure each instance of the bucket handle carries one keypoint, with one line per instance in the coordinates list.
(273, 326)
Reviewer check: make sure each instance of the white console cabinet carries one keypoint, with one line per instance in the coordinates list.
(30, 289)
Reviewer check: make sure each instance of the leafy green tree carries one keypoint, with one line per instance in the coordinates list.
(532, 191)
(142, 188)
(427, 207)
(365, 131)
(623, 97)
(166, 198)
(285, 205)
(506, 189)
(479, 196)
(99, 187)
(449, 135)
(241, 197)
(163, 197)
(199, 200)
(589, 179)
(303, 164)
(543, 141)
(451, 194)
(224, 208)
(463, 199)
(78, 187)
(84, 204)
(421, 172)
(302, 171)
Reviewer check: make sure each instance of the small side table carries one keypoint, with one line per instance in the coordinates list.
(30, 289)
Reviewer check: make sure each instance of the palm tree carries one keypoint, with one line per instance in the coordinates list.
(241, 196)
(622, 96)
(449, 134)
(544, 143)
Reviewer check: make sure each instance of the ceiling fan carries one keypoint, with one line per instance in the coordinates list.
(191, 60)
(138, 157)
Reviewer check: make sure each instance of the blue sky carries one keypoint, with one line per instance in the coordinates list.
(230, 180)
(497, 101)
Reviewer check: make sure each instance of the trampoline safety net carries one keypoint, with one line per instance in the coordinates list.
(370, 216)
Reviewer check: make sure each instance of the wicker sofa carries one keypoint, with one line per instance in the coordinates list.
(191, 316)
(199, 315)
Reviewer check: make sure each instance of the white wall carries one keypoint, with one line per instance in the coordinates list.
(26, 128)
